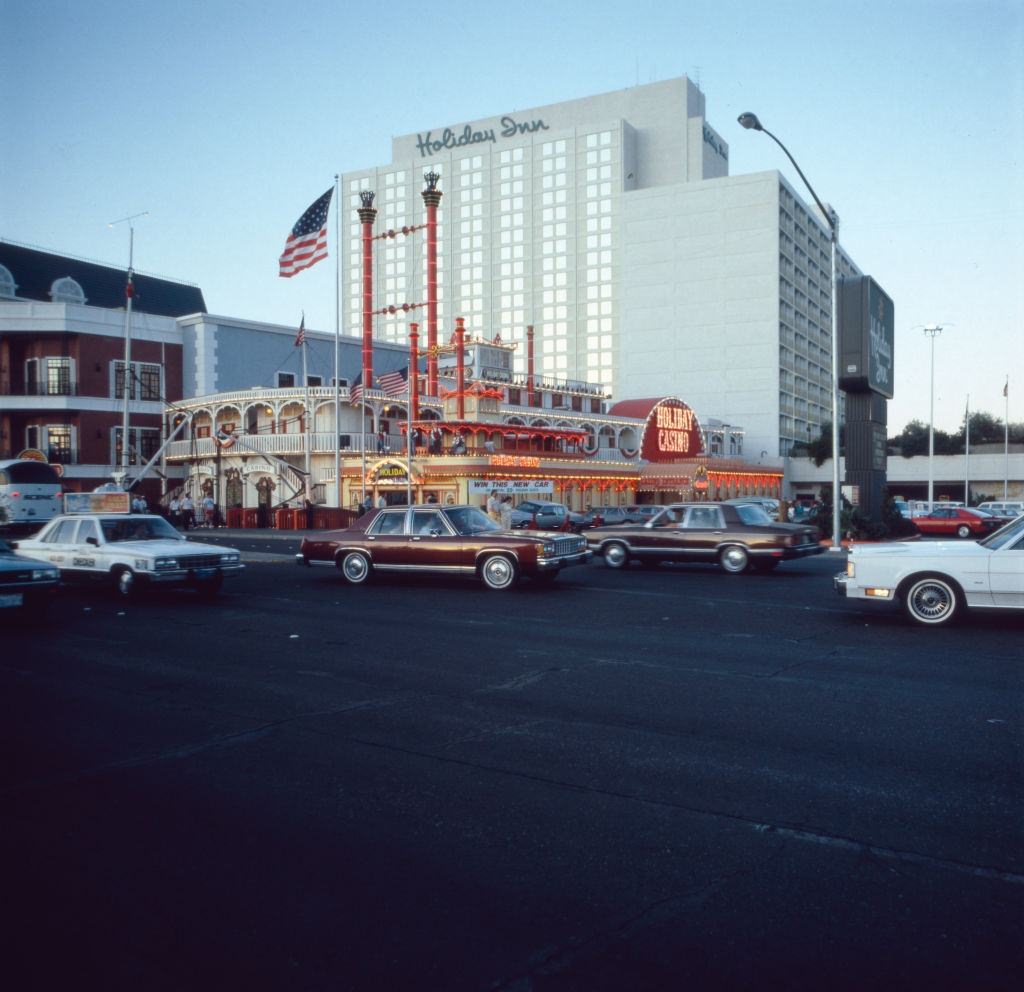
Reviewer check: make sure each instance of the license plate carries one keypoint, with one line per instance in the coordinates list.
(204, 573)
(11, 599)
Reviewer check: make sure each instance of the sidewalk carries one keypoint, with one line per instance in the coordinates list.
(251, 533)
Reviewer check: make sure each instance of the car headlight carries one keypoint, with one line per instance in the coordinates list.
(230, 559)
(548, 549)
(166, 563)
(39, 574)
(851, 570)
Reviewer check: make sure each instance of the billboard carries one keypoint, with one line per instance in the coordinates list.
(866, 337)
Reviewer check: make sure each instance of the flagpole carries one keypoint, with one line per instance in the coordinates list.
(309, 412)
(337, 339)
(128, 380)
(967, 452)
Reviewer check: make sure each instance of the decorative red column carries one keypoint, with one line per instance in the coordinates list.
(414, 375)
(367, 215)
(460, 366)
(431, 198)
(529, 364)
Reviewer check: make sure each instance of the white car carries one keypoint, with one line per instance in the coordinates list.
(934, 580)
(130, 550)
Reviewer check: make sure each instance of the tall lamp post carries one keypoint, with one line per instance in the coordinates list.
(933, 331)
(750, 121)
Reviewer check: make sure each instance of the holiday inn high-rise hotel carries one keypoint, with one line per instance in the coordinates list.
(612, 226)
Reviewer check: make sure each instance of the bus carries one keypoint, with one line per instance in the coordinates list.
(30, 493)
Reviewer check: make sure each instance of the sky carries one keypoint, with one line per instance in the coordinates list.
(225, 120)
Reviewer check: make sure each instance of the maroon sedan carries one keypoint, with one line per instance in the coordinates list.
(460, 540)
(958, 521)
(739, 537)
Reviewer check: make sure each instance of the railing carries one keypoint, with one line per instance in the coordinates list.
(325, 443)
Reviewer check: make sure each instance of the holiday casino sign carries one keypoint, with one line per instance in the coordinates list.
(671, 432)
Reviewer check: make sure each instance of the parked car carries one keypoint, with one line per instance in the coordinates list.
(771, 506)
(1004, 508)
(456, 540)
(542, 515)
(603, 516)
(643, 512)
(935, 580)
(738, 536)
(957, 521)
(130, 551)
(25, 583)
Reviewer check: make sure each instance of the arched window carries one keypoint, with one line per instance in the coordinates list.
(66, 290)
(7, 284)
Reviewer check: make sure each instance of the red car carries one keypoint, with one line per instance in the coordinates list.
(957, 521)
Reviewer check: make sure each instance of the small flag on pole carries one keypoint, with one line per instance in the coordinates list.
(355, 391)
(393, 383)
(307, 243)
(300, 338)
(1006, 387)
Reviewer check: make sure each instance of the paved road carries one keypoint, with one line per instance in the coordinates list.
(671, 779)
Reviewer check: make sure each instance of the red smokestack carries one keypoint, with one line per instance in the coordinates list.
(431, 198)
(367, 215)
(460, 367)
(414, 375)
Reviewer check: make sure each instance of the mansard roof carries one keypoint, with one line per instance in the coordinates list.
(35, 271)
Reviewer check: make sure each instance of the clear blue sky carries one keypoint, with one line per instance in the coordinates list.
(225, 120)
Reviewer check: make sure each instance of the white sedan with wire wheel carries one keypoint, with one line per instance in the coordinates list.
(936, 580)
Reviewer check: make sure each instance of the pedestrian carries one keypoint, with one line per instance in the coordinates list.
(188, 512)
(136, 504)
(505, 512)
(174, 508)
(208, 507)
(381, 501)
(494, 506)
(143, 504)
(367, 504)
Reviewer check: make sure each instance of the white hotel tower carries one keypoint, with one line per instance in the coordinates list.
(611, 224)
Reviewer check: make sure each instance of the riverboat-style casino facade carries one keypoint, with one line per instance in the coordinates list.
(487, 429)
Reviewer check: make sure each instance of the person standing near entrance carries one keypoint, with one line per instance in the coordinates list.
(494, 506)
(381, 501)
(188, 512)
(505, 512)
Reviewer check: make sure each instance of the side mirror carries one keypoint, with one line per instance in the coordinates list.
(93, 541)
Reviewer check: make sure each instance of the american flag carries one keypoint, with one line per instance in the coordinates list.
(307, 243)
(355, 391)
(300, 338)
(393, 383)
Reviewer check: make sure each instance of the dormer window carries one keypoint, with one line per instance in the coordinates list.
(7, 284)
(66, 290)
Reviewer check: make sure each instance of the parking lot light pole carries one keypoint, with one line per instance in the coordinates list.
(933, 331)
(750, 121)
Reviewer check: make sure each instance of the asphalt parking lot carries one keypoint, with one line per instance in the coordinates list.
(662, 779)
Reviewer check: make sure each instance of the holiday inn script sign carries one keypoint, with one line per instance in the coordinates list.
(432, 142)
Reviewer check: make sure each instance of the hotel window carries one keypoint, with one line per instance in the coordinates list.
(285, 380)
(49, 377)
(57, 440)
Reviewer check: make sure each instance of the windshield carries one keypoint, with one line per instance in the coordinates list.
(1005, 536)
(753, 514)
(138, 529)
(469, 520)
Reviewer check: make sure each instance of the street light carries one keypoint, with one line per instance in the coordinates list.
(933, 331)
(750, 122)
